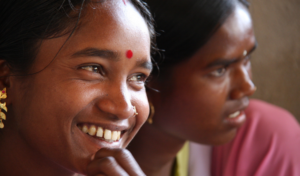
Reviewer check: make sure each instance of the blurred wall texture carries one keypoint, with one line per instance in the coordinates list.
(276, 62)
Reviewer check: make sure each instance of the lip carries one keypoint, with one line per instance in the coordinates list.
(240, 119)
(237, 121)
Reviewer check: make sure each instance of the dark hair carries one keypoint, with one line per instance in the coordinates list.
(25, 23)
(184, 26)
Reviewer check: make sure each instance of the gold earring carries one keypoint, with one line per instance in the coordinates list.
(3, 95)
(134, 111)
(152, 111)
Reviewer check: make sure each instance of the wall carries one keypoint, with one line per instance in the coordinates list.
(276, 62)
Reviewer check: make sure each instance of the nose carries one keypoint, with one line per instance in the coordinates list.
(116, 102)
(242, 85)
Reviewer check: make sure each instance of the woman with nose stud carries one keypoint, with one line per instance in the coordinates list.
(72, 79)
(204, 85)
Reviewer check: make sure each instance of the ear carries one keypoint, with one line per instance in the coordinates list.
(5, 72)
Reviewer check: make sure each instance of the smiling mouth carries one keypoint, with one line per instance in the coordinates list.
(101, 133)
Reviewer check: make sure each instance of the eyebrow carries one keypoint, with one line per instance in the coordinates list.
(92, 52)
(108, 54)
(145, 64)
(227, 62)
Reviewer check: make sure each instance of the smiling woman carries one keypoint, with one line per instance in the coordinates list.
(204, 84)
(74, 100)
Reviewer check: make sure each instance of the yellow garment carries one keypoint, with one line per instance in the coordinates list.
(182, 161)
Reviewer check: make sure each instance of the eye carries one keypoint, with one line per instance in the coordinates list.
(219, 72)
(140, 78)
(94, 68)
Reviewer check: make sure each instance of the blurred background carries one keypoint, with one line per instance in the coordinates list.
(276, 62)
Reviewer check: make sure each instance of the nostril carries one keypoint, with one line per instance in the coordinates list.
(116, 102)
(246, 89)
(249, 89)
(115, 109)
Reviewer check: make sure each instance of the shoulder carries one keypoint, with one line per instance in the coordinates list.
(268, 120)
(262, 108)
(267, 144)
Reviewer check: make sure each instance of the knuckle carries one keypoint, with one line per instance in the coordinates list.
(108, 161)
(123, 153)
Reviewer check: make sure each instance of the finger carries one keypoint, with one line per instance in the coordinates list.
(107, 166)
(124, 158)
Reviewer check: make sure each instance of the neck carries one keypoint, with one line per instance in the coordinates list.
(155, 150)
(17, 158)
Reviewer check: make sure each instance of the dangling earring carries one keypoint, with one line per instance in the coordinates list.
(3, 95)
(152, 111)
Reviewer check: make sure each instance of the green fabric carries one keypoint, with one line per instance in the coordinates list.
(182, 159)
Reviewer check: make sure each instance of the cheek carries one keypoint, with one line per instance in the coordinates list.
(194, 108)
(142, 106)
(48, 108)
(141, 102)
(203, 98)
(48, 112)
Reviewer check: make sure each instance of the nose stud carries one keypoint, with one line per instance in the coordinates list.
(134, 111)
(245, 53)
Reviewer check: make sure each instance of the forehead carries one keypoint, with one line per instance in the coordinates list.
(233, 37)
(238, 26)
(114, 24)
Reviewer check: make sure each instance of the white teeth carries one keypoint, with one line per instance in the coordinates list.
(85, 129)
(92, 130)
(114, 135)
(99, 132)
(107, 134)
(233, 115)
(119, 135)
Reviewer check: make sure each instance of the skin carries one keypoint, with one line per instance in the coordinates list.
(41, 134)
(200, 93)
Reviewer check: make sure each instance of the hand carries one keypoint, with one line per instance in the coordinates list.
(114, 162)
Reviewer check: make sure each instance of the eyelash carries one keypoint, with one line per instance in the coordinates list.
(218, 72)
(140, 77)
(94, 68)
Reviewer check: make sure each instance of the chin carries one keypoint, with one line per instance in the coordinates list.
(220, 139)
(224, 139)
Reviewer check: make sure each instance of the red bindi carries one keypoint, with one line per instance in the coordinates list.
(129, 54)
